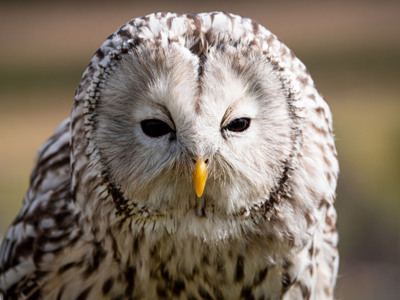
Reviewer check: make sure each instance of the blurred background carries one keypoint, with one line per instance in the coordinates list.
(352, 49)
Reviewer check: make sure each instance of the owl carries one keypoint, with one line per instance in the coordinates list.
(198, 163)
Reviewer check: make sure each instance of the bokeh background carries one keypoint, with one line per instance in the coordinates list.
(352, 49)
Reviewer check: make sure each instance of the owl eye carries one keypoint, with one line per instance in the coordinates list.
(155, 128)
(238, 125)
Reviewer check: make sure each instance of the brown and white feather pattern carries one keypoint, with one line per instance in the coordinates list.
(112, 213)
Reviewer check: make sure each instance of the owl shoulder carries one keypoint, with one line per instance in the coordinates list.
(47, 221)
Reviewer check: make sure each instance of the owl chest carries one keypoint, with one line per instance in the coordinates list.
(168, 266)
(191, 268)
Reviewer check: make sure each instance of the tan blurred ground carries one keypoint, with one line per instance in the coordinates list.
(351, 48)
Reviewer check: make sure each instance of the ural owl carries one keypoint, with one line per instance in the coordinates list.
(198, 163)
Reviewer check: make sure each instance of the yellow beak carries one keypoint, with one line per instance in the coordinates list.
(200, 176)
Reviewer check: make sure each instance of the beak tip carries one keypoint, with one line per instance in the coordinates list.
(198, 194)
(199, 187)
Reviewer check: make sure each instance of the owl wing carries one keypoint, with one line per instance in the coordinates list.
(46, 222)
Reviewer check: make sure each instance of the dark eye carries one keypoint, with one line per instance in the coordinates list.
(155, 128)
(238, 125)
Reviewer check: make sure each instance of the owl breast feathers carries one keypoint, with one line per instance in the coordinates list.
(198, 163)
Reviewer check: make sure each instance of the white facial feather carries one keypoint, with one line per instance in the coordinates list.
(163, 84)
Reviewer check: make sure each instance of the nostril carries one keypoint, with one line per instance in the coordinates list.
(206, 161)
(193, 160)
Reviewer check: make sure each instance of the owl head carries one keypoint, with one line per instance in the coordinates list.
(191, 111)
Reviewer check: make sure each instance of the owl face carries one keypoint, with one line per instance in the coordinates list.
(174, 127)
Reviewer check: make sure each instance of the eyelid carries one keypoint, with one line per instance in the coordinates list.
(161, 117)
(159, 112)
(238, 111)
